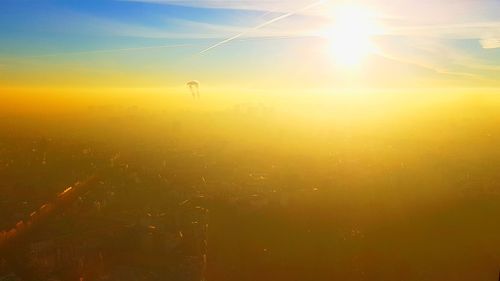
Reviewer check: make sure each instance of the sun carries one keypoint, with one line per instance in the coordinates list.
(351, 34)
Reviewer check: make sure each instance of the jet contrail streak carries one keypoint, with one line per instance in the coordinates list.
(112, 50)
(263, 25)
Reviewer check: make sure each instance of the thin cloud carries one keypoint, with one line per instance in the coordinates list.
(220, 31)
(470, 30)
(262, 25)
(434, 68)
(113, 50)
(173, 28)
(254, 5)
(441, 19)
(406, 26)
(491, 43)
(440, 56)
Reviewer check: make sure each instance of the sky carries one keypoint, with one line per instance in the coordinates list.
(258, 44)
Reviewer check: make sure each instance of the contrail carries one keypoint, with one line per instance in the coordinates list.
(112, 50)
(263, 25)
(187, 45)
(435, 69)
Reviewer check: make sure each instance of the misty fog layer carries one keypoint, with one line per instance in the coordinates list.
(343, 188)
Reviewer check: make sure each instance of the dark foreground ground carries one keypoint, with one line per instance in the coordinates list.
(411, 196)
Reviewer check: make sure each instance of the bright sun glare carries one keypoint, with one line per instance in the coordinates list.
(351, 35)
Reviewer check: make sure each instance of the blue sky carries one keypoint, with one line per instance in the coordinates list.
(451, 40)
